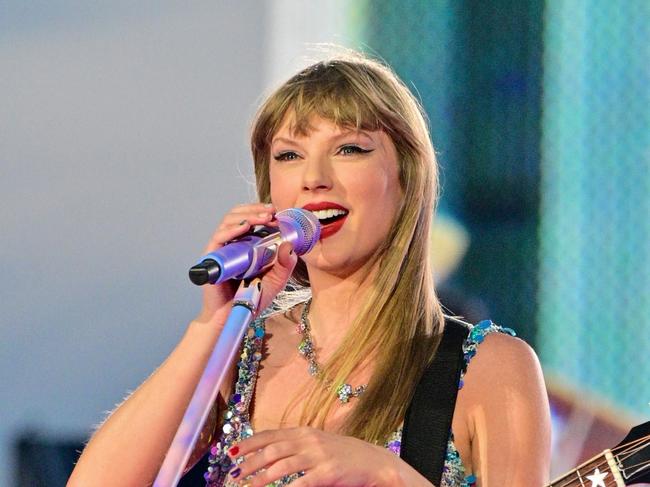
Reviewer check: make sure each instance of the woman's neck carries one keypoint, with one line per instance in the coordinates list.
(336, 302)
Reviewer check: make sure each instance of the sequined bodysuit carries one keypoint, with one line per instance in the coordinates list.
(237, 426)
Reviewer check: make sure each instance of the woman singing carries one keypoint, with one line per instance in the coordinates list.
(325, 376)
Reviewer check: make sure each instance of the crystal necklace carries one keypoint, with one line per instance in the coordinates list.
(306, 348)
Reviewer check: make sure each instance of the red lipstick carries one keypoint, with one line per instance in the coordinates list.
(324, 205)
(331, 228)
(328, 229)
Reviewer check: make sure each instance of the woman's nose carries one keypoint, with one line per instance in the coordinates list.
(317, 175)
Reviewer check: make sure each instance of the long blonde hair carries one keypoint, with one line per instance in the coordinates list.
(401, 319)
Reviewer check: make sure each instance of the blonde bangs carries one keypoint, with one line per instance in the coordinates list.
(335, 98)
(340, 106)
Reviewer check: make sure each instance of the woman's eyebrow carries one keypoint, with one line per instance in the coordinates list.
(284, 140)
(334, 138)
(353, 132)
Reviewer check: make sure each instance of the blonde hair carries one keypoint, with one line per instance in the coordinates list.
(400, 322)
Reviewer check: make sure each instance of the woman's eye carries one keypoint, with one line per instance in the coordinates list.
(347, 150)
(286, 156)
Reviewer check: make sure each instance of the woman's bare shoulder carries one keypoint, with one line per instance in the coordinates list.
(502, 349)
(506, 362)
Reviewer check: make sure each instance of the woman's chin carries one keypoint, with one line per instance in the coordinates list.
(340, 265)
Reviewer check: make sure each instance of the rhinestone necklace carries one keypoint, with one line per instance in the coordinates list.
(306, 348)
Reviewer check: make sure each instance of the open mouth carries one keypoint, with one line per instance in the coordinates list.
(325, 217)
(331, 216)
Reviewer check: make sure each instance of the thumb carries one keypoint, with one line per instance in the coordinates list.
(277, 276)
(287, 258)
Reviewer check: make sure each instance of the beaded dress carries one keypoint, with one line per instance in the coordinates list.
(237, 427)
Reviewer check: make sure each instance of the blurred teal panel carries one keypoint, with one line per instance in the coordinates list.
(594, 283)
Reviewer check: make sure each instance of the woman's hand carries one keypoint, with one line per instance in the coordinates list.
(326, 459)
(217, 298)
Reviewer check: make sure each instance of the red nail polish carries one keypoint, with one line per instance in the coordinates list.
(233, 451)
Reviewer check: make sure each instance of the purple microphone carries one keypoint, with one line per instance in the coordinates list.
(254, 252)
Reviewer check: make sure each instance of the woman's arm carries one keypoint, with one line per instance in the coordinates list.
(130, 446)
(128, 449)
(507, 414)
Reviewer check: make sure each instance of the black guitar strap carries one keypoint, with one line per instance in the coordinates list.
(427, 423)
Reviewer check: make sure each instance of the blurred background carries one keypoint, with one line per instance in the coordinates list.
(124, 138)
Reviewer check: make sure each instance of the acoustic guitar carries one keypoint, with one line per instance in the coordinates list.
(628, 463)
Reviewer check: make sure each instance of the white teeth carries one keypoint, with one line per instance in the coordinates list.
(324, 214)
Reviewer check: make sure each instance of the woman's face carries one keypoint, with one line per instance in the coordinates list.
(348, 178)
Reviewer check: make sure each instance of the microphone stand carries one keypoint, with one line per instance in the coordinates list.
(244, 307)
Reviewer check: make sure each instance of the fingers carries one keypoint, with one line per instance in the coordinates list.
(318, 458)
(220, 237)
(271, 463)
(261, 440)
(256, 214)
(271, 455)
(289, 466)
(239, 221)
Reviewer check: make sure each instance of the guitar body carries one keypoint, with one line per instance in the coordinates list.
(628, 463)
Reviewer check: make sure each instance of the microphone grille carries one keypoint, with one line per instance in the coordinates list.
(305, 225)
